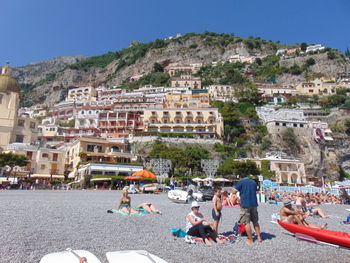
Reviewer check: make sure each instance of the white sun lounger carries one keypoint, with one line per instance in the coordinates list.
(126, 256)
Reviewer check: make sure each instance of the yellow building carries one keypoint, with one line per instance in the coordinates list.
(287, 170)
(13, 128)
(320, 87)
(186, 81)
(201, 121)
(92, 149)
(221, 92)
(188, 99)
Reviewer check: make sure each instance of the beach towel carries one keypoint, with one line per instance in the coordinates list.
(115, 211)
(146, 212)
(178, 232)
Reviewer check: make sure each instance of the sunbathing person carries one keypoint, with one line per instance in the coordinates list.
(226, 201)
(149, 208)
(125, 203)
(198, 226)
(309, 207)
(289, 215)
(234, 199)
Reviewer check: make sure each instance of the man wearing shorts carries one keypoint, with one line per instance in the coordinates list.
(247, 189)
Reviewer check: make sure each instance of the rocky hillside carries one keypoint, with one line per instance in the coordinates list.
(48, 81)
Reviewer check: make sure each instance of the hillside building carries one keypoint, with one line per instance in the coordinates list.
(205, 122)
(186, 81)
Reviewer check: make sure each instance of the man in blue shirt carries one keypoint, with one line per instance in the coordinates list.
(247, 189)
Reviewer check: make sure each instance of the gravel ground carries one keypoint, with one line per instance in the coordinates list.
(34, 223)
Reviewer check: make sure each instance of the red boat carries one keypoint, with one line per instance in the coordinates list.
(323, 235)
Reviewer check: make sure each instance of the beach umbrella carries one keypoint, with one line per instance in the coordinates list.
(208, 179)
(221, 180)
(197, 179)
(145, 174)
(268, 183)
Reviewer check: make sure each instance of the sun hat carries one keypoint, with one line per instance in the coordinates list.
(194, 204)
(125, 189)
(287, 202)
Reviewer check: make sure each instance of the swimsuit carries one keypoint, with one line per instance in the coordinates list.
(125, 204)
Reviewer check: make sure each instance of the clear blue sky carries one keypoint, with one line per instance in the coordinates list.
(35, 30)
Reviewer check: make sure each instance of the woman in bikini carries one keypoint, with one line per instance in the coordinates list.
(149, 208)
(125, 203)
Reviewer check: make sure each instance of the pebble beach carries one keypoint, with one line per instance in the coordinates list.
(35, 223)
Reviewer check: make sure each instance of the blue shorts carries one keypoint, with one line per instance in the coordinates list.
(216, 218)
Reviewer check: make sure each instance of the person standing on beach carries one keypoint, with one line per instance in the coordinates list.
(247, 189)
(217, 207)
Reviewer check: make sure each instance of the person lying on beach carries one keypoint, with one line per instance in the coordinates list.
(234, 199)
(198, 226)
(226, 201)
(125, 203)
(289, 215)
(308, 206)
(150, 208)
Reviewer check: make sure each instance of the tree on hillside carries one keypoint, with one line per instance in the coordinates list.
(244, 168)
(347, 52)
(12, 160)
(331, 55)
(291, 141)
(303, 47)
(247, 92)
(193, 156)
(310, 62)
(158, 67)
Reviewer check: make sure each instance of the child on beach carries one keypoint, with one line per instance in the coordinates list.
(217, 207)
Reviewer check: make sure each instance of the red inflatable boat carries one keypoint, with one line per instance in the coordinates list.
(328, 236)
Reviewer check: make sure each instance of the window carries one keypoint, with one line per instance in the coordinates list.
(20, 123)
(277, 124)
(99, 148)
(302, 125)
(90, 147)
(295, 125)
(42, 167)
(32, 125)
(284, 124)
(311, 90)
(19, 138)
(55, 157)
(45, 155)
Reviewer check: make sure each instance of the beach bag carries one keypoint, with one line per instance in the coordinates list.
(239, 228)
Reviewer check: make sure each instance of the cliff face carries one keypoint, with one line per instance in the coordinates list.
(49, 80)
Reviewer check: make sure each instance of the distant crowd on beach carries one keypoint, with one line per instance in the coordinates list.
(311, 199)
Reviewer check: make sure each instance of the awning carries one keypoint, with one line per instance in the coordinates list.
(100, 179)
(47, 176)
(328, 130)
